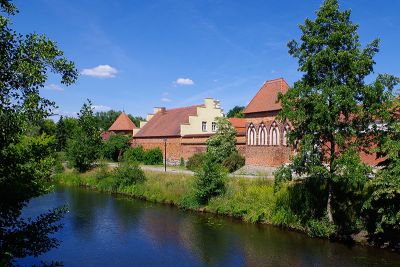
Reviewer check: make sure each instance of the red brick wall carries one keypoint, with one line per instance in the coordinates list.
(174, 148)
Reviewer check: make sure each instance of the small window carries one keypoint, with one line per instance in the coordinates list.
(204, 126)
(214, 127)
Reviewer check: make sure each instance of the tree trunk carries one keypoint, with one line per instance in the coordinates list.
(329, 203)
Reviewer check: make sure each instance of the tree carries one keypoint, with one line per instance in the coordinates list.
(26, 157)
(61, 134)
(84, 147)
(331, 108)
(236, 112)
(381, 210)
(106, 118)
(209, 180)
(115, 146)
(223, 142)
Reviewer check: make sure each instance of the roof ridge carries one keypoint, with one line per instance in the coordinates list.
(193, 106)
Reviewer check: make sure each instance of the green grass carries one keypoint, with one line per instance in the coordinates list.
(251, 200)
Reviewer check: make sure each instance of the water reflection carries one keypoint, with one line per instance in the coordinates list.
(106, 230)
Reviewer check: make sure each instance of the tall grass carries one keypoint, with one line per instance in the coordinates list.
(252, 200)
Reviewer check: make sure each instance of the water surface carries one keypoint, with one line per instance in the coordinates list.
(107, 230)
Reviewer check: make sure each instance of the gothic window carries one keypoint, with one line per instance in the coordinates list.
(262, 135)
(285, 133)
(274, 134)
(251, 135)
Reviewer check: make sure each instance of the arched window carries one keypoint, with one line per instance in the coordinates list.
(285, 133)
(274, 134)
(251, 135)
(262, 135)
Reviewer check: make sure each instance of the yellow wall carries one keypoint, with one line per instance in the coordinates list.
(208, 113)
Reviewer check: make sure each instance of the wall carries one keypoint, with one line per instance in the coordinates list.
(207, 113)
(174, 148)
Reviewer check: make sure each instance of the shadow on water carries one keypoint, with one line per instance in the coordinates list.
(107, 230)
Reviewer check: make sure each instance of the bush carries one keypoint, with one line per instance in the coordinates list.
(233, 162)
(128, 173)
(82, 152)
(209, 181)
(182, 162)
(320, 228)
(134, 154)
(195, 161)
(115, 146)
(153, 156)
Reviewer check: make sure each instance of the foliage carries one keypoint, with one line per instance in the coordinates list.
(382, 208)
(331, 108)
(128, 173)
(195, 161)
(223, 142)
(84, 147)
(182, 162)
(233, 162)
(153, 156)
(115, 147)
(26, 157)
(320, 228)
(236, 112)
(134, 154)
(210, 180)
(106, 118)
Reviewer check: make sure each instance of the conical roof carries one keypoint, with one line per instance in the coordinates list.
(122, 123)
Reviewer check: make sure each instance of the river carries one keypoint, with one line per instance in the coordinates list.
(107, 230)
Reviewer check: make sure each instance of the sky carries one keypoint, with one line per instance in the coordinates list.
(136, 55)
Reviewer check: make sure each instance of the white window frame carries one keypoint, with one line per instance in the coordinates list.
(204, 126)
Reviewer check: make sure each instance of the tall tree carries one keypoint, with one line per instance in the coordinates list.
(236, 112)
(85, 145)
(223, 143)
(331, 108)
(26, 159)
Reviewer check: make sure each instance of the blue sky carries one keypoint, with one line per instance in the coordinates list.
(135, 55)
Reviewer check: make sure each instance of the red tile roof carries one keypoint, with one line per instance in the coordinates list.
(239, 124)
(122, 123)
(167, 122)
(266, 98)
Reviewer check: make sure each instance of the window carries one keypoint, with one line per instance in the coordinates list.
(285, 133)
(213, 126)
(262, 135)
(204, 126)
(251, 135)
(274, 134)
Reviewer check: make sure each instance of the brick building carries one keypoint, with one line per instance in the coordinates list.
(123, 125)
(266, 143)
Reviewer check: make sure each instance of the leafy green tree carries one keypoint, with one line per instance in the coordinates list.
(106, 118)
(209, 180)
(236, 112)
(61, 134)
(223, 142)
(26, 158)
(382, 207)
(331, 108)
(115, 146)
(83, 149)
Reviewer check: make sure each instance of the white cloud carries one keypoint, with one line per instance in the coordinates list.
(53, 87)
(165, 99)
(99, 108)
(101, 71)
(184, 81)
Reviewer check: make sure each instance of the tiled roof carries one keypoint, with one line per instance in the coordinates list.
(122, 123)
(239, 124)
(266, 98)
(167, 122)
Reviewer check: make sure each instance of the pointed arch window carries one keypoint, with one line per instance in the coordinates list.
(284, 137)
(274, 134)
(251, 135)
(262, 135)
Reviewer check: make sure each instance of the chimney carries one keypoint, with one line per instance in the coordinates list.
(158, 109)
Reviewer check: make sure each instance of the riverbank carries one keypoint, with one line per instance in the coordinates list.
(251, 200)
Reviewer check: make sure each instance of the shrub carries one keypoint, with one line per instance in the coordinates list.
(182, 162)
(195, 161)
(128, 173)
(115, 146)
(153, 156)
(209, 180)
(320, 228)
(134, 154)
(233, 162)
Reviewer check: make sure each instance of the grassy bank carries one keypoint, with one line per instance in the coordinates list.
(251, 200)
